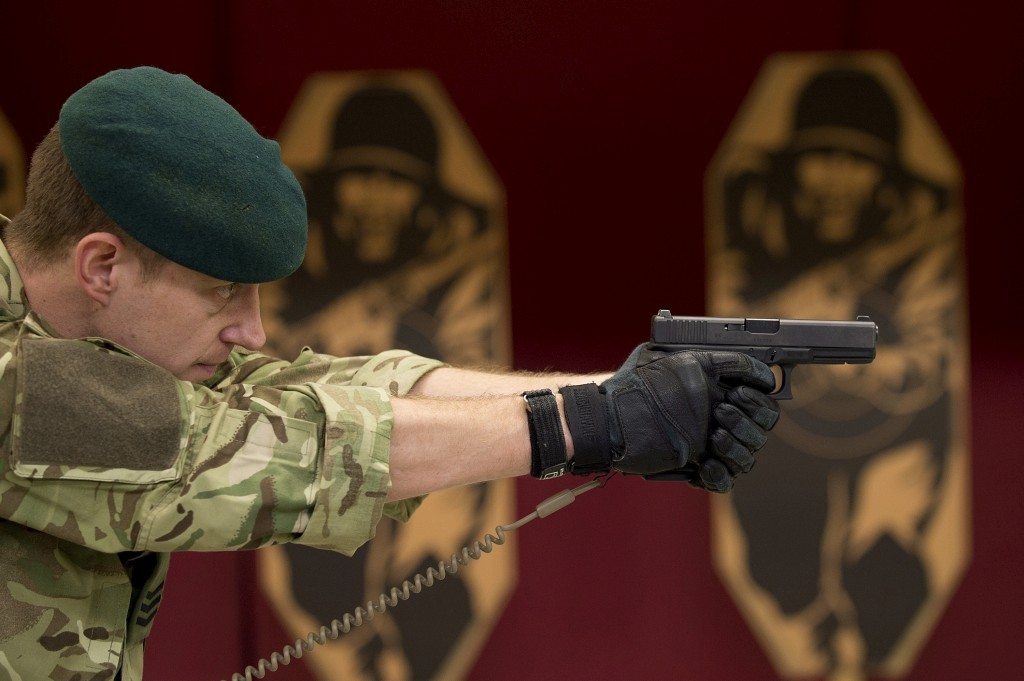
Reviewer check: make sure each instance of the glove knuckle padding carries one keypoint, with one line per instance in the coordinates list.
(736, 368)
(641, 433)
(758, 406)
(726, 362)
(679, 388)
(765, 417)
(736, 457)
(741, 427)
(764, 375)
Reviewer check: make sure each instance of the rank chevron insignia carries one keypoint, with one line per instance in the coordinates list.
(149, 605)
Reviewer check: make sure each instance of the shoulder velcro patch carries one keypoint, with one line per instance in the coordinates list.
(83, 405)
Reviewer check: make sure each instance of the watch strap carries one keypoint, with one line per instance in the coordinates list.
(547, 443)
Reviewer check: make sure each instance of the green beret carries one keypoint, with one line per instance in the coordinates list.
(180, 170)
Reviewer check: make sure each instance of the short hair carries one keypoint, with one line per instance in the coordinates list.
(58, 213)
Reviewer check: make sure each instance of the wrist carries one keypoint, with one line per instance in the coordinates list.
(548, 452)
(586, 417)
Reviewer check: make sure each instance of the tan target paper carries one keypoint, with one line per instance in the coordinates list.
(834, 194)
(407, 249)
(12, 170)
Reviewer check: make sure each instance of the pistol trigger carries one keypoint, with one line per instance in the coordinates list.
(785, 390)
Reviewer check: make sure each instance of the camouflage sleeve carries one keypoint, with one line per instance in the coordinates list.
(394, 370)
(110, 452)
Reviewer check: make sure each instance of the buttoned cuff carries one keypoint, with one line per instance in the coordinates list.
(397, 372)
(353, 476)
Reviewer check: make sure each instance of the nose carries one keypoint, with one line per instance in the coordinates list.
(246, 327)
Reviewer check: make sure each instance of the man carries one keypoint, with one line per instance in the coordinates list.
(153, 211)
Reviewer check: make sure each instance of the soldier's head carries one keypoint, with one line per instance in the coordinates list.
(153, 211)
(384, 152)
(846, 132)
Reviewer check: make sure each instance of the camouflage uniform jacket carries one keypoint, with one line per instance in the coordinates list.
(108, 463)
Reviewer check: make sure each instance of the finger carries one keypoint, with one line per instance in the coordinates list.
(737, 458)
(748, 433)
(715, 477)
(755, 404)
(693, 475)
(736, 368)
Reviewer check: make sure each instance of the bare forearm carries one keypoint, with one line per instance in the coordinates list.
(441, 443)
(460, 426)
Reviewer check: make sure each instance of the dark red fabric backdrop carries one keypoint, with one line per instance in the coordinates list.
(601, 118)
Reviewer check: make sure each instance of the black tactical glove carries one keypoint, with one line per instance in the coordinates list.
(693, 416)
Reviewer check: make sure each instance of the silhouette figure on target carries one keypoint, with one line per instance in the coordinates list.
(378, 209)
(836, 215)
(390, 239)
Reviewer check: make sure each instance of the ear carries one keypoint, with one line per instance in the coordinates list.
(100, 260)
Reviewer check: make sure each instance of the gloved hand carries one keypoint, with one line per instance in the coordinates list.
(693, 416)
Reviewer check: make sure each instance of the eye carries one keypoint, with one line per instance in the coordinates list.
(226, 291)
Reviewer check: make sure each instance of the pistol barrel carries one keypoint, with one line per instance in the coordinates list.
(777, 341)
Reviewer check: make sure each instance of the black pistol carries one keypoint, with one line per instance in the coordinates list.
(776, 342)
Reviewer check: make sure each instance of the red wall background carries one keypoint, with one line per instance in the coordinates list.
(601, 117)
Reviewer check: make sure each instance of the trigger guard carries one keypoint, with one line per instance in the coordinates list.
(785, 390)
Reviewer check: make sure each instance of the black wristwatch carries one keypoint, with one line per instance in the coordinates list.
(547, 443)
